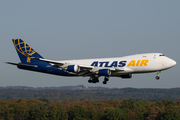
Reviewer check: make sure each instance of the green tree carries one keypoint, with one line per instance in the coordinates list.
(115, 114)
(77, 113)
(128, 104)
(37, 110)
(55, 112)
(171, 114)
(93, 113)
(21, 110)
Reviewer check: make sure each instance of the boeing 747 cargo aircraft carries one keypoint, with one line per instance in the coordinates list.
(122, 67)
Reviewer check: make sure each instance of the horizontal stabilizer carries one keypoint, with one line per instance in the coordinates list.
(24, 65)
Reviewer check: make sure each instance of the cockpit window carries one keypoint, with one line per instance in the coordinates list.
(161, 55)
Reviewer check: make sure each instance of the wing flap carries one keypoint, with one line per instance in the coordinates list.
(84, 73)
(86, 67)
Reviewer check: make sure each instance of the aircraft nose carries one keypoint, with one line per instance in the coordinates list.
(168, 63)
(173, 63)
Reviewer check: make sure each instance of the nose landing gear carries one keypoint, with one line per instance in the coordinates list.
(157, 77)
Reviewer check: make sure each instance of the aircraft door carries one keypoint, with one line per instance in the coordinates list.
(154, 57)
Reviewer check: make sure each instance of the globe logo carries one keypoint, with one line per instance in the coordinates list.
(24, 49)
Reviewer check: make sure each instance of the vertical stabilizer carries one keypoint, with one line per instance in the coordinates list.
(25, 52)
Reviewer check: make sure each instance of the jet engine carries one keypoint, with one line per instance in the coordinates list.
(73, 68)
(104, 72)
(126, 76)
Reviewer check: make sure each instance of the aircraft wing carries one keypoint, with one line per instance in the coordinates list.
(62, 64)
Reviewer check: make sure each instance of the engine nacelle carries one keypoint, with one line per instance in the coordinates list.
(126, 76)
(73, 68)
(104, 72)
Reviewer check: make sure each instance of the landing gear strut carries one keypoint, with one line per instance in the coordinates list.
(105, 80)
(157, 77)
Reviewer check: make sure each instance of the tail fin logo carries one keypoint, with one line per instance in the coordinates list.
(24, 49)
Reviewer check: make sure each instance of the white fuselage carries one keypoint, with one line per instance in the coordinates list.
(139, 63)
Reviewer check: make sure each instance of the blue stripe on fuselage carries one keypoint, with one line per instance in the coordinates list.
(47, 68)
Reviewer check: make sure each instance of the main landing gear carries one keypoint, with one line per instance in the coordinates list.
(93, 79)
(105, 80)
(157, 77)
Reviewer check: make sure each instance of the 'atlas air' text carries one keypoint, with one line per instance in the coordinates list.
(132, 63)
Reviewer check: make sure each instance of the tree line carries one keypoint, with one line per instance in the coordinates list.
(129, 109)
(115, 94)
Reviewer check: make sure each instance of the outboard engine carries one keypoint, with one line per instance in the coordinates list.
(73, 68)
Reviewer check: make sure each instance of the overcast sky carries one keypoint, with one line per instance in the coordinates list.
(78, 29)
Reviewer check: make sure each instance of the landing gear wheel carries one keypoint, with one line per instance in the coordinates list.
(157, 77)
(97, 80)
(90, 81)
(106, 78)
(104, 82)
(93, 79)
